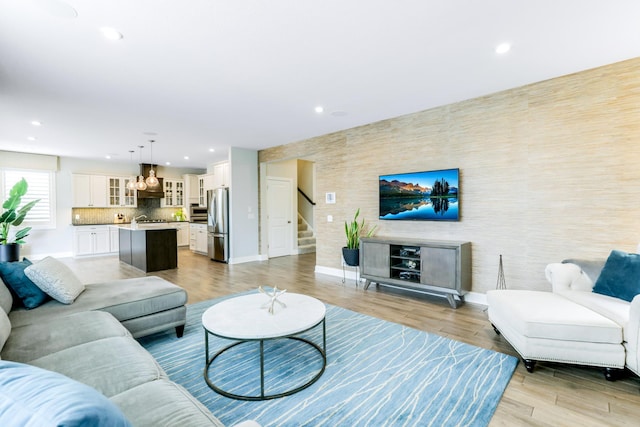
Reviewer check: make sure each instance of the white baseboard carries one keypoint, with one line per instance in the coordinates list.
(350, 273)
(240, 260)
(34, 257)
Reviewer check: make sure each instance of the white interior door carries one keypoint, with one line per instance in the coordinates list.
(279, 216)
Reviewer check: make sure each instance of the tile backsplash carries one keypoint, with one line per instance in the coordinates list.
(149, 207)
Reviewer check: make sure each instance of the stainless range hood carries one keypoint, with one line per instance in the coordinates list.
(155, 192)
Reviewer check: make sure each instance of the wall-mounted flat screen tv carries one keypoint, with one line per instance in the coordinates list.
(420, 196)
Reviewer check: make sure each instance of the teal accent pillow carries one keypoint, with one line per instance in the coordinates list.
(22, 288)
(31, 396)
(620, 277)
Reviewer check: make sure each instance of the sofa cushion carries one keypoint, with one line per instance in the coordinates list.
(548, 315)
(56, 279)
(30, 396)
(27, 292)
(6, 300)
(163, 402)
(5, 329)
(609, 307)
(110, 365)
(31, 342)
(620, 276)
(125, 299)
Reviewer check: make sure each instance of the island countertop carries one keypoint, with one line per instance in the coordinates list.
(144, 226)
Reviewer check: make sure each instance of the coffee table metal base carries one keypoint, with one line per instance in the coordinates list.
(322, 351)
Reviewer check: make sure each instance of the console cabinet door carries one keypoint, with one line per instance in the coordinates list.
(374, 259)
(439, 267)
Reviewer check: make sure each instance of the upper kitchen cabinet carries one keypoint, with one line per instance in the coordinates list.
(205, 183)
(89, 191)
(191, 190)
(221, 174)
(118, 193)
(173, 193)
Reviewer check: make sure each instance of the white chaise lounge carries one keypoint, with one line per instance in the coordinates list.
(577, 322)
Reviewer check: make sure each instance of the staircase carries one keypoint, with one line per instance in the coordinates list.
(306, 240)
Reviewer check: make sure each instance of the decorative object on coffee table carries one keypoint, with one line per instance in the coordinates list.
(273, 298)
(11, 215)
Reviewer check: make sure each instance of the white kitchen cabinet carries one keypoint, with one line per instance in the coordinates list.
(221, 175)
(205, 182)
(89, 191)
(173, 193)
(182, 233)
(118, 193)
(91, 240)
(190, 189)
(198, 238)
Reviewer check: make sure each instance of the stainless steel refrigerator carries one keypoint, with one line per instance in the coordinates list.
(218, 224)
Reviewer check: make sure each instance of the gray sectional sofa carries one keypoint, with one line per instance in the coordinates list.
(91, 341)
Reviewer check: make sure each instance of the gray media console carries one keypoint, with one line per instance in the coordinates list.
(436, 267)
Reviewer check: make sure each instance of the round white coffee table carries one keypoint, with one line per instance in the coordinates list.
(246, 319)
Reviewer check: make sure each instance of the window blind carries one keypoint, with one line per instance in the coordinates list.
(41, 186)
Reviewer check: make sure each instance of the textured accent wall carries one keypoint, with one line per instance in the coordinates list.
(547, 171)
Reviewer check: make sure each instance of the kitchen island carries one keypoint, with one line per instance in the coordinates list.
(148, 248)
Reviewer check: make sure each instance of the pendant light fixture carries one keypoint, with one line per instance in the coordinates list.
(141, 185)
(151, 180)
(131, 185)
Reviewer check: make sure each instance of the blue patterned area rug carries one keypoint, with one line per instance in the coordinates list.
(378, 373)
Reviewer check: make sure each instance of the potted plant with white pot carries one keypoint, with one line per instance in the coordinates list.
(13, 215)
(354, 230)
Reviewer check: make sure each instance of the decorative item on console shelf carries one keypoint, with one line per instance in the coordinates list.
(353, 231)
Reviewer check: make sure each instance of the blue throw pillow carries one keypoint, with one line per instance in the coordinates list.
(620, 277)
(37, 397)
(23, 289)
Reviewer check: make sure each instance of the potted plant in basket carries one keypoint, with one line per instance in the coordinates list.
(11, 215)
(354, 230)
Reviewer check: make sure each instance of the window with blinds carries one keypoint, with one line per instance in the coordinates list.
(41, 186)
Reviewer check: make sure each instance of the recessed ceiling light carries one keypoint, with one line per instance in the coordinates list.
(31, 138)
(111, 33)
(319, 109)
(167, 163)
(211, 150)
(108, 157)
(503, 48)
(36, 123)
(186, 157)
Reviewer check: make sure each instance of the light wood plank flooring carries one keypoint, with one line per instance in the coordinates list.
(554, 395)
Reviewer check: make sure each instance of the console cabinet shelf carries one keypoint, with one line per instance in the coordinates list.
(437, 267)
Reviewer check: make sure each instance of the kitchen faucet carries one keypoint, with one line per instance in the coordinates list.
(134, 220)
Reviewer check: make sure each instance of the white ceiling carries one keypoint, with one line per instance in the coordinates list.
(206, 74)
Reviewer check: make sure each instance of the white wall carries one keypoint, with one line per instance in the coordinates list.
(243, 208)
(306, 180)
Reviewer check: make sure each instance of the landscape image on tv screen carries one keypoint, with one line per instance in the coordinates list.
(428, 196)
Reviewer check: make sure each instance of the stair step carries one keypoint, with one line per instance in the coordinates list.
(307, 241)
(306, 249)
(305, 233)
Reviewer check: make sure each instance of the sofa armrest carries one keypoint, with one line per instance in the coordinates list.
(632, 336)
(567, 277)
